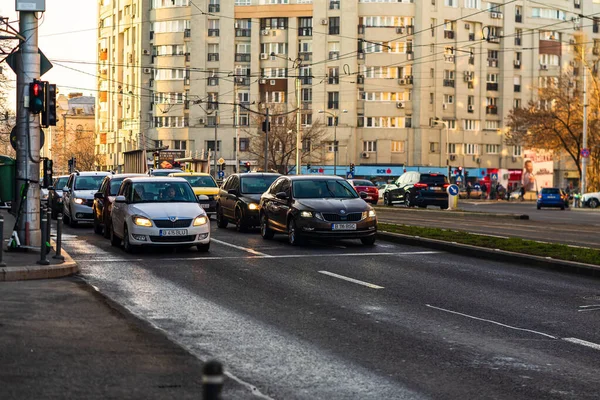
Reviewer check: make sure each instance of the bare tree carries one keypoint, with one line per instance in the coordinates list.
(79, 145)
(282, 140)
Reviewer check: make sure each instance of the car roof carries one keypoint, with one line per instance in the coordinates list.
(113, 176)
(156, 179)
(166, 169)
(242, 174)
(190, 174)
(91, 173)
(61, 176)
(314, 177)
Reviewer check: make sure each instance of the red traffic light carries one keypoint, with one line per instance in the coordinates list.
(37, 89)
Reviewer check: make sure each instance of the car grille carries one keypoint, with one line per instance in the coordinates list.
(337, 217)
(165, 223)
(172, 239)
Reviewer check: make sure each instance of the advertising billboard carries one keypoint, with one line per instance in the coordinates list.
(538, 170)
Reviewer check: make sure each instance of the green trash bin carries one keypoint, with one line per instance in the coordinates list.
(7, 178)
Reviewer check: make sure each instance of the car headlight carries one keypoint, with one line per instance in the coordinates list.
(142, 221)
(201, 220)
(78, 201)
(372, 214)
(252, 206)
(202, 197)
(306, 214)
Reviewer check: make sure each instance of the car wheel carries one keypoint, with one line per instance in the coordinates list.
(97, 227)
(114, 239)
(368, 241)
(129, 248)
(221, 220)
(293, 237)
(539, 207)
(265, 231)
(203, 248)
(385, 200)
(563, 208)
(389, 202)
(407, 201)
(594, 203)
(72, 222)
(240, 226)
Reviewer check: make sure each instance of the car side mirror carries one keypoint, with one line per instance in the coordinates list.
(66, 189)
(281, 195)
(120, 199)
(363, 195)
(233, 192)
(50, 188)
(98, 195)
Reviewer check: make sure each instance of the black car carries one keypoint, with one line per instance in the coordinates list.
(316, 207)
(55, 195)
(238, 199)
(419, 189)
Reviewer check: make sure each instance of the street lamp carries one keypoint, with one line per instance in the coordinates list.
(438, 121)
(335, 144)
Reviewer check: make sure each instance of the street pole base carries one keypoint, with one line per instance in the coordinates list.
(61, 258)
(43, 262)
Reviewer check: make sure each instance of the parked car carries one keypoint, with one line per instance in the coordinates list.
(419, 189)
(158, 212)
(384, 189)
(551, 197)
(55, 195)
(78, 196)
(163, 171)
(205, 189)
(475, 193)
(104, 200)
(591, 200)
(238, 199)
(316, 207)
(363, 185)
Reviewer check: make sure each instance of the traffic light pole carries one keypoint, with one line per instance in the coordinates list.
(28, 133)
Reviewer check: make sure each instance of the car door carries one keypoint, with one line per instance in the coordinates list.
(283, 205)
(270, 205)
(231, 199)
(67, 196)
(100, 202)
(119, 209)
(222, 198)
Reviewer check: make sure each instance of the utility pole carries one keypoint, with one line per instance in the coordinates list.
(298, 122)
(267, 127)
(585, 119)
(215, 144)
(28, 131)
(236, 119)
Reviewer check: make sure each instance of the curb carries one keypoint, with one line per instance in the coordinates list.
(460, 213)
(491, 254)
(31, 272)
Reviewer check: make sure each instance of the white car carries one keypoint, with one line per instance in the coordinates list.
(78, 196)
(591, 200)
(158, 211)
(385, 188)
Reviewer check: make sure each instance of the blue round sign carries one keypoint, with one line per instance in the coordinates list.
(453, 190)
(585, 153)
(221, 174)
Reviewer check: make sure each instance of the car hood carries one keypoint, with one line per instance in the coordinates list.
(213, 191)
(251, 198)
(85, 194)
(333, 205)
(167, 210)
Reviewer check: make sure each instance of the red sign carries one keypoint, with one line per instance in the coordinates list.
(388, 171)
(321, 170)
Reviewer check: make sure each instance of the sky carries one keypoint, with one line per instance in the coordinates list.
(67, 36)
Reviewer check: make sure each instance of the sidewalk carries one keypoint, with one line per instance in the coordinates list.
(22, 265)
(62, 340)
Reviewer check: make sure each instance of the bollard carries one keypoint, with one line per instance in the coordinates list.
(212, 380)
(48, 229)
(59, 223)
(43, 248)
(2, 263)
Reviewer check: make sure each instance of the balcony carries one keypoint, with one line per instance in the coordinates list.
(333, 80)
(213, 81)
(518, 18)
(517, 88)
(334, 55)
(214, 8)
(213, 32)
(449, 83)
(243, 57)
(334, 30)
(240, 32)
(306, 80)
(305, 32)
(333, 105)
(242, 81)
(491, 110)
(213, 56)
(448, 34)
(517, 64)
(491, 86)
(305, 56)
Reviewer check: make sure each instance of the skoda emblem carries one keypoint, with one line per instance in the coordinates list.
(172, 219)
(342, 211)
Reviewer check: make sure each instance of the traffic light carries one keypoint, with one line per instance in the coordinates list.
(352, 168)
(460, 170)
(266, 126)
(47, 175)
(36, 96)
(49, 112)
(156, 159)
(247, 166)
(72, 164)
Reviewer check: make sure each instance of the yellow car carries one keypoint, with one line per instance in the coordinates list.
(205, 188)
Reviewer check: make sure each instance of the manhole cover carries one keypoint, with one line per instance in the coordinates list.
(594, 297)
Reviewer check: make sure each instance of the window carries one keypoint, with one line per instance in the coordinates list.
(397, 146)
(213, 27)
(179, 144)
(451, 3)
(244, 144)
(548, 13)
(334, 25)
(333, 76)
(244, 120)
(434, 147)
(448, 99)
(471, 149)
(492, 125)
(333, 99)
(492, 148)
(333, 146)
(471, 125)
(517, 151)
(451, 148)
(210, 145)
(473, 4)
(370, 146)
(549, 59)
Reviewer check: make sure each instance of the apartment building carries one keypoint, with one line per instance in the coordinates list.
(409, 83)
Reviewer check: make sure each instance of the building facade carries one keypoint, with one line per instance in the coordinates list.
(409, 83)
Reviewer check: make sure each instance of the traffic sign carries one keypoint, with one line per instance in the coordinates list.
(458, 179)
(349, 175)
(453, 190)
(494, 176)
(585, 153)
(221, 161)
(221, 174)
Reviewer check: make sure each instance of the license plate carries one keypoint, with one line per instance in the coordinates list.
(343, 227)
(173, 232)
(552, 197)
(205, 205)
(436, 189)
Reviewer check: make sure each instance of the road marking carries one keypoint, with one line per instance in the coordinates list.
(408, 253)
(251, 251)
(492, 322)
(583, 343)
(485, 234)
(367, 284)
(591, 307)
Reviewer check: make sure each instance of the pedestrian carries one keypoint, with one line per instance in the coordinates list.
(484, 190)
(469, 189)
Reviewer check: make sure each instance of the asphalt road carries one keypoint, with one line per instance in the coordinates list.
(343, 321)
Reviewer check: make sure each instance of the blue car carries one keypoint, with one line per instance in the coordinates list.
(551, 197)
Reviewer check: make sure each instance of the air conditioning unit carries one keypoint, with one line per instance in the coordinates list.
(361, 56)
(544, 67)
(264, 56)
(265, 32)
(444, 106)
(147, 70)
(468, 26)
(476, 159)
(201, 121)
(514, 159)
(401, 81)
(364, 154)
(236, 25)
(409, 55)
(360, 79)
(274, 33)
(146, 52)
(470, 107)
(272, 82)
(400, 30)
(399, 104)
(262, 81)
(452, 157)
(324, 21)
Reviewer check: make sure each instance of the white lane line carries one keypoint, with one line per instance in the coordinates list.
(582, 343)
(255, 257)
(590, 309)
(367, 284)
(492, 322)
(251, 251)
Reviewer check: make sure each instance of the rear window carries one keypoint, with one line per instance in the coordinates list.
(550, 191)
(427, 178)
(363, 183)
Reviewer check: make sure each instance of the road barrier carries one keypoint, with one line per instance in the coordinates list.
(212, 380)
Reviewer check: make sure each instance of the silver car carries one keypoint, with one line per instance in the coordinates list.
(78, 196)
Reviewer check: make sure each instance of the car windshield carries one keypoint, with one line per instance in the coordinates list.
(61, 183)
(162, 192)
(165, 173)
(323, 188)
(201, 181)
(115, 184)
(257, 184)
(550, 191)
(363, 183)
(88, 182)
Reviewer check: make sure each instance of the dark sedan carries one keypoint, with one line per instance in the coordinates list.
(55, 195)
(238, 199)
(316, 207)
